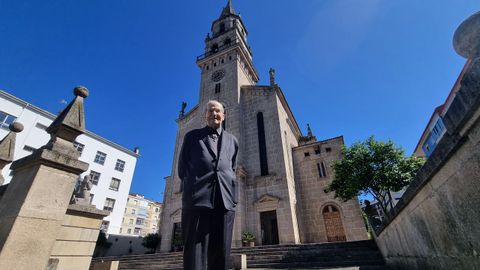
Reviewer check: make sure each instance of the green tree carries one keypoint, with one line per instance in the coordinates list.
(151, 241)
(375, 168)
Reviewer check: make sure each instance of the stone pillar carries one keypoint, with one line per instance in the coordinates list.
(7, 147)
(36, 200)
(77, 237)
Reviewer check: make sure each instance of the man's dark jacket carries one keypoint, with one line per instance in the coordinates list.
(202, 172)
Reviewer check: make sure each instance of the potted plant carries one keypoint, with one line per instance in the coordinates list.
(248, 239)
(177, 244)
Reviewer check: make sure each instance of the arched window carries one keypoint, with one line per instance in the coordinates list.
(227, 41)
(262, 144)
(330, 209)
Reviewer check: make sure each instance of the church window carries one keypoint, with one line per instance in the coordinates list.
(227, 41)
(215, 64)
(328, 149)
(214, 48)
(230, 58)
(222, 27)
(322, 172)
(217, 88)
(262, 144)
(307, 154)
(222, 61)
(208, 67)
(317, 150)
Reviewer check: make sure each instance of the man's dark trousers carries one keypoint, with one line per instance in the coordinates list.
(209, 237)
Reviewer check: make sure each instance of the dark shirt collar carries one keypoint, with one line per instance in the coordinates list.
(218, 131)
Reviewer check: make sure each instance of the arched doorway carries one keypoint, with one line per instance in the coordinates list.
(333, 224)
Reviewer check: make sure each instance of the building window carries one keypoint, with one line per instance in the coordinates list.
(109, 204)
(262, 144)
(222, 27)
(114, 184)
(6, 119)
(317, 150)
(79, 147)
(105, 225)
(136, 231)
(40, 126)
(100, 158)
(217, 88)
(120, 165)
(95, 177)
(227, 41)
(214, 48)
(29, 148)
(328, 149)
(322, 172)
(307, 154)
(130, 221)
(129, 231)
(133, 211)
(140, 221)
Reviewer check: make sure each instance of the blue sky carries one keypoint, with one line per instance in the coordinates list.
(348, 67)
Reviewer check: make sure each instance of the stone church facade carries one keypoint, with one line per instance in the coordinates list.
(281, 174)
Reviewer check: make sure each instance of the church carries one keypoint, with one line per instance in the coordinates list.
(281, 173)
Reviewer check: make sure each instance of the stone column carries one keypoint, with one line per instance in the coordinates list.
(36, 200)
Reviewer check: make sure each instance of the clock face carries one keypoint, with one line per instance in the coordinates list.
(218, 75)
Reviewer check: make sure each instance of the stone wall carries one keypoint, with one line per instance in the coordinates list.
(436, 223)
(312, 197)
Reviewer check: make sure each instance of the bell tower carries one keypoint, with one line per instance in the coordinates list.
(226, 63)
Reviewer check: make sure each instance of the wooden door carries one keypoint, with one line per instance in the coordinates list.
(333, 224)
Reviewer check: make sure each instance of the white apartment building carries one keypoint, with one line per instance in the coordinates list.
(111, 165)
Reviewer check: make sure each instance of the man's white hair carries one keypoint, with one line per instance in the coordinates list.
(216, 102)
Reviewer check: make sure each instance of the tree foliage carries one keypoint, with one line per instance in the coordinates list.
(375, 168)
(151, 241)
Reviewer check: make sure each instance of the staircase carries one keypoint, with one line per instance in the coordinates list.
(362, 255)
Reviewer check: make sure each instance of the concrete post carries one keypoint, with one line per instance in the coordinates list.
(36, 200)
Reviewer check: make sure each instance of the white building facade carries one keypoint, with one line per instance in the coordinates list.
(111, 165)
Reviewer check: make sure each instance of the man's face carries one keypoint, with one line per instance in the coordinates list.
(215, 115)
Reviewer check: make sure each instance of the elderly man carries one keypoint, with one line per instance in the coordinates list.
(207, 166)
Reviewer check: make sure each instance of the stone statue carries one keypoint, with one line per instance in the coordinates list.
(82, 196)
(182, 111)
(272, 77)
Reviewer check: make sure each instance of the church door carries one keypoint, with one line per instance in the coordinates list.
(333, 224)
(177, 242)
(269, 227)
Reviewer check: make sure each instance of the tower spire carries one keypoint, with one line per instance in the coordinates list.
(228, 9)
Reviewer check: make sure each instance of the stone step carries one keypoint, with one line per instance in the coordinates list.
(305, 256)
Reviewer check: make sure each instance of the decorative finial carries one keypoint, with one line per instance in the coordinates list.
(16, 127)
(7, 147)
(309, 130)
(272, 77)
(466, 39)
(81, 91)
(69, 124)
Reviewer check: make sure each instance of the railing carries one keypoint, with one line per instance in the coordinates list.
(225, 46)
